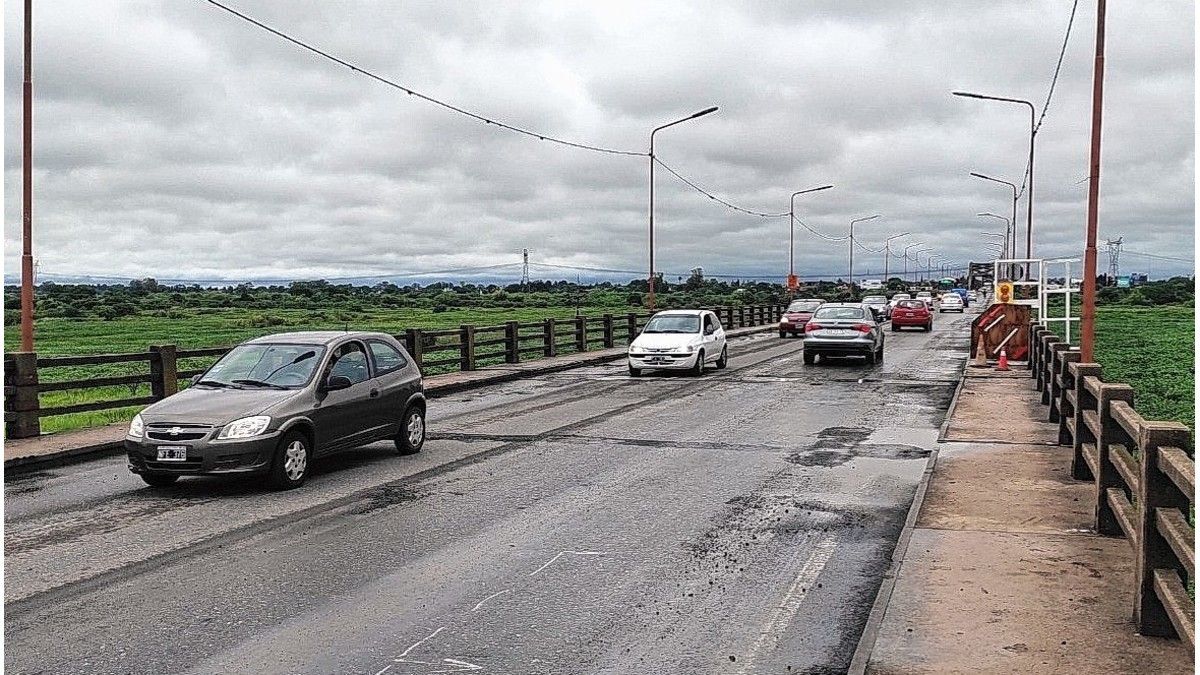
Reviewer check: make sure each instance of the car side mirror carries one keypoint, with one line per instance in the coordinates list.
(337, 382)
(196, 377)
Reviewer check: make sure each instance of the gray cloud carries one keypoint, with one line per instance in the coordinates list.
(175, 141)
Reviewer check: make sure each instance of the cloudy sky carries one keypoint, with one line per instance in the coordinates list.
(175, 140)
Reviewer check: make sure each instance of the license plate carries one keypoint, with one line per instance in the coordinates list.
(838, 331)
(172, 453)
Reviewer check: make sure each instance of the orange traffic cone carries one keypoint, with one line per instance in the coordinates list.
(1003, 363)
(980, 354)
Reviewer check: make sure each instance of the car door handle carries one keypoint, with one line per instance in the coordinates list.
(374, 393)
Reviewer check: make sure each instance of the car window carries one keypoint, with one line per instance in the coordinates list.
(673, 323)
(707, 322)
(387, 358)
(350, 361)
(717, 322)
(874, 300)
(840, 313)
(803, 306)
(281, 365)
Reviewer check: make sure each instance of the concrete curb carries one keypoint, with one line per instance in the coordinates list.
(29, 463)
(866, 643)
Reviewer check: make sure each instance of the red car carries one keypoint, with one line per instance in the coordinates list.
(796, 317)
(913, 313)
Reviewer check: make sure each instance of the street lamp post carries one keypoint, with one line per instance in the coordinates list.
(1032, 134)
(654, 131)
(851, 270)
(1087, 323)
(1007, 224)
(792, 230)
(1013, 248)
(887, 253)
(1001, 246)
(27, 188)
(919, 243)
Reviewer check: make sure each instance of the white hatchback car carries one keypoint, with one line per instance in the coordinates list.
(951, 302)
(683, 339)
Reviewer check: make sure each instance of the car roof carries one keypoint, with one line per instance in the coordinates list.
(316, 337)
(682, 312)
(843, 304)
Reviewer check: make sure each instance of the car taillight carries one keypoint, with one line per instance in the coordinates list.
(810, 326)
(862, 327)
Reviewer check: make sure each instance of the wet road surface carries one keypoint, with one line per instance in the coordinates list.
(579, 522)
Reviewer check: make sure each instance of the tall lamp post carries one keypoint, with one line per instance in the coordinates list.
(27, 188)
(852, 222)
(792, 231)
(1013, 248)
(655, 131)
(1087, 323)
(887, 253)
(919, 243)
(1032, 133)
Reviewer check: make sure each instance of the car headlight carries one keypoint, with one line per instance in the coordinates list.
(245, 427)
(634, 349)
(137, 428)
(689, 348)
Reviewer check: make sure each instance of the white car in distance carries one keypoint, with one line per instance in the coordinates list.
(679, 339)
(951, 302)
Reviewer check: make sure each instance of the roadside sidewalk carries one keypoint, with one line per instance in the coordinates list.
(75, 446)
(997, 570)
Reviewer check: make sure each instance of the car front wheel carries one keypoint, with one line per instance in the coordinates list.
(290, 466)
(412, 431)
(698, 369)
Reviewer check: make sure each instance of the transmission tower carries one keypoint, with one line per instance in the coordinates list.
(525, 268)
(1114, 259)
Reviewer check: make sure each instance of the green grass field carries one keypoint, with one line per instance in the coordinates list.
(197, 328)
(1153, 350)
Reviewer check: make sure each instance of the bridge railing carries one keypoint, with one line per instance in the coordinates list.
(1144, 480)
(163, 367)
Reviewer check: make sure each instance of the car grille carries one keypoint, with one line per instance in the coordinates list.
(178, 432)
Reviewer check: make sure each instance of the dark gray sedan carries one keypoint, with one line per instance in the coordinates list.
(843, 329)
(272, 404)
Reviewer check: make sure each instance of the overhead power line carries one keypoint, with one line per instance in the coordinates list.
(411, 92)
(1158, 257)
(1050, 93)
(715, 198)
(822, 235)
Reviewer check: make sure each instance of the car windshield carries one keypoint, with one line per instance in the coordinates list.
(901, 296)
(952, 297)
(874, 300)
(839, 313)
(673, 323)
(265, 365)
(803, 306)
(911, 304)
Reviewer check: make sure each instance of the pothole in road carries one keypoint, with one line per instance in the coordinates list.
(837, 445)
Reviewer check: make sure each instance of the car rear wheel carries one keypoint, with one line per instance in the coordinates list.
(159, 479)
(698, 369)
(724, 360)
(928, 326)
(872, 357)
(783, 334)
(879, 355)
(290, 466)
(809, 358)
(895, 328)
(412, 431)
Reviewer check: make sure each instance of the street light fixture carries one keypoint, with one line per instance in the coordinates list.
(792, 230)
(1032, 133)
(852, 222)
(1007, 225)
(654, 131)
(919, 243)
(1013, 248)
(887, 253)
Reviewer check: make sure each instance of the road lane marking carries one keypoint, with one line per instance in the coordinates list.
(418, 643)
(787, 607)
(460, 666)
(507, 590)
(561, 554)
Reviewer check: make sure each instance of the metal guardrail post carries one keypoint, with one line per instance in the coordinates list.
(414, 343)
(21, 396)
(608, 331)
(1155, 490)
(512, 344)
(164, 371)
(548, 346)
(466, 347)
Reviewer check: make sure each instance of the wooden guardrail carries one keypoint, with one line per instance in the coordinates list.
(464, 348)
(1144, 478)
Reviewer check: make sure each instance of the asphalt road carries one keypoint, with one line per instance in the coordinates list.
(580, 522)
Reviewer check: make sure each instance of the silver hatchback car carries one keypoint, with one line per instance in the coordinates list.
(843, 329)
